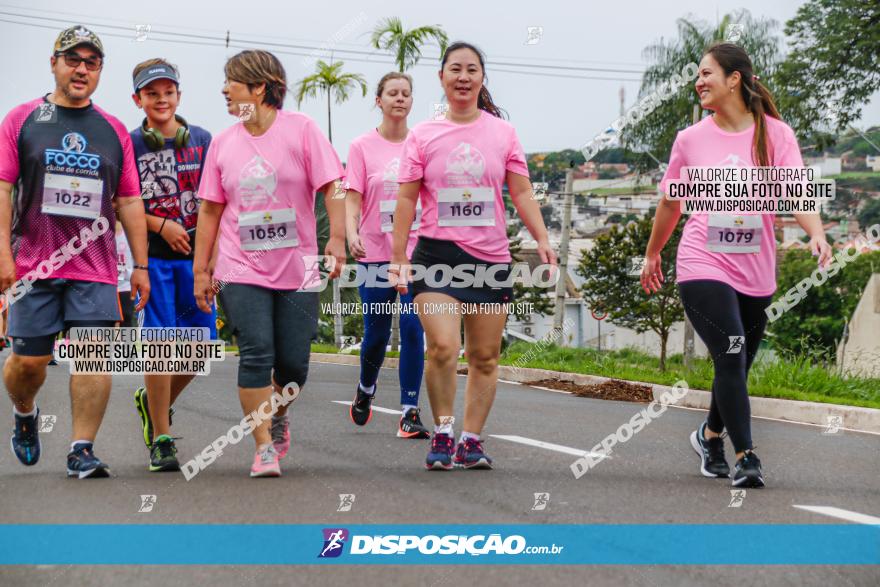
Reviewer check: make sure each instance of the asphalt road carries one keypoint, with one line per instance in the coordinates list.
(653, 478)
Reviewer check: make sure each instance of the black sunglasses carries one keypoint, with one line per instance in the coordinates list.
(74, 59)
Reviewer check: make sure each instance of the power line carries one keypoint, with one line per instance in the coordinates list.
(222, 40)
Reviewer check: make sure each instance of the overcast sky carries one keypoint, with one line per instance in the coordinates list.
(550, 112)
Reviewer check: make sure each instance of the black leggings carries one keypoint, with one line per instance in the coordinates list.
(728, 322)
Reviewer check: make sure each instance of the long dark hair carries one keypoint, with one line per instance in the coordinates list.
(484, 100)
(757, 97)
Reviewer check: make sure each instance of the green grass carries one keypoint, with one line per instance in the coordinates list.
(854, 175)
(597, 192)
(795, 379)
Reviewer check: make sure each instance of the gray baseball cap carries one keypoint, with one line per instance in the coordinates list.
(153, 73)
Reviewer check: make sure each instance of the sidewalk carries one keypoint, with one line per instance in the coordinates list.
(851, 418)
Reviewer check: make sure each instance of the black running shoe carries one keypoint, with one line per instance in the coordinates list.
(748, 471)
(26, 439)
(163, 455)
(411, 425)
(82, 463)
(711, 451)
(362, 407)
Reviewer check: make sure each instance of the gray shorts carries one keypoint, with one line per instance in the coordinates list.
(275, 329)
(54, 305)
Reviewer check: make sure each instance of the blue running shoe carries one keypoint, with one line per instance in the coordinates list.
(82, 463)
(440, 455)
(469, 455)
(26, 439)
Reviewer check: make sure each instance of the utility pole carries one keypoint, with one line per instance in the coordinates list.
(563, 249)
(688, 327)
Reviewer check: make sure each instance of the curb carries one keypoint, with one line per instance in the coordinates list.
(852, 418)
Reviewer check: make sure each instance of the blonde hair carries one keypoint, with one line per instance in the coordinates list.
(390, 76)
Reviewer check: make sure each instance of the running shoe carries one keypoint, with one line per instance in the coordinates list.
(440, 455)
(748, 471)
(362, 407)
(82, 463)
(411, 425)
(163, 455)
(469, 455)
(26, 438)
(266, 463)
(711, 451)
(143, 409)
(281, 435)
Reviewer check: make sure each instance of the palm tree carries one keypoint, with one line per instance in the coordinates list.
(329, 79)
(406, 45)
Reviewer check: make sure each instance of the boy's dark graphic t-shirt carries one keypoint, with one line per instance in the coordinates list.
(170, 183)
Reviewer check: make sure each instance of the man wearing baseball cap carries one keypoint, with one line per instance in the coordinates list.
(169, 154)
(73, 168)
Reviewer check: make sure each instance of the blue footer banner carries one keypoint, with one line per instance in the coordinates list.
(430, 544)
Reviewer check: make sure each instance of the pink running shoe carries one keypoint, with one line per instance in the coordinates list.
(281, 435)
(266, 463)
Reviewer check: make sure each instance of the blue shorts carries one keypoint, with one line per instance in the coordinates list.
(172, 303)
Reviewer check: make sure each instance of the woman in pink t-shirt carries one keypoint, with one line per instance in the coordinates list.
(726, 264)
(371, 179)
(460, 271)
(258, 206)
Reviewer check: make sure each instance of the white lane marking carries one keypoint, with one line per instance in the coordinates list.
(550, 446)
(839, 513)
(375, 407)
(509, 382)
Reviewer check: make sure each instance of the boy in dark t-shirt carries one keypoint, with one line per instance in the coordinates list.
(169, 155)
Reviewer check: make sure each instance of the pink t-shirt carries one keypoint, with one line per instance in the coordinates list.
(372, 167)
(268, 184)
(463, 168)
(706, 145)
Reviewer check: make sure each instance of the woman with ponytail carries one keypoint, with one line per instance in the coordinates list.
(726, 286)
(457, 167)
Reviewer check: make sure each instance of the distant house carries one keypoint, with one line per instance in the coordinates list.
(873, 162)
(824, 166)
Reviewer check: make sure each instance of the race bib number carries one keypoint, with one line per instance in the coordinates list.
(268, 229)
(734, 234)
(386, 215)
(67, 195)
(470, 206)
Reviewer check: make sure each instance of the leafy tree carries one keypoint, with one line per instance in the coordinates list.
(870, 214)
(832, 69)
(329, 79)
(537, 296)
(406, 46)
(609, 286)
(816, 323)
(656, 131)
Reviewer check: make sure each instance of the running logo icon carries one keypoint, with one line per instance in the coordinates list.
(334, 540)
(47, 422)
(835, 423)
(147, 503)
(46, 113)
(534, 35)
(636, 264)
(346, 501)
(541, 501)
(736, 344)
(737, 497)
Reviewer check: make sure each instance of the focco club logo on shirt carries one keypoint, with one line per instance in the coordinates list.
(72, 153)
(465, 165)
(257, 182)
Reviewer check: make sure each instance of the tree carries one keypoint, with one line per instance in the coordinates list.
(406, 46)
(814, 326)
(656, 132)
(870, 214)
(329, 79)
(610, 287)
(536, 296)
(831, 72)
